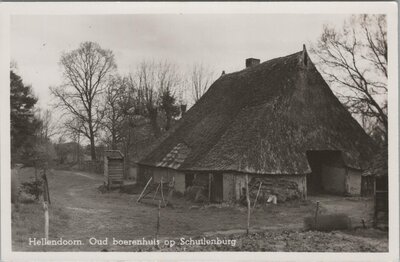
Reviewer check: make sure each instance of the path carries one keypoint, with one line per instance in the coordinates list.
(93, 214)
(113, 214)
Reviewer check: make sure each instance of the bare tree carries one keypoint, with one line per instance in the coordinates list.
(115, 113)
(130, 106)
(48, 127)
(73, 128)
(200, 79)
(154, 82)
(148, 93)
(86, 71)
(354, 59)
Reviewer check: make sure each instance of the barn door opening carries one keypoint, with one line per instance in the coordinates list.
(328, 173)
(216, 188)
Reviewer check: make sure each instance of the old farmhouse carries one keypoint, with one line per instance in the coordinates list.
(276, 121)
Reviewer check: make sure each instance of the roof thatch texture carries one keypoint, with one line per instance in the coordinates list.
(262, 120)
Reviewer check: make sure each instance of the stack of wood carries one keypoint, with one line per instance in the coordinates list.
(284, 190)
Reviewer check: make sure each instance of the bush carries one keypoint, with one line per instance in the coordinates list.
(26, 198)
(328, 222)
(34, 188)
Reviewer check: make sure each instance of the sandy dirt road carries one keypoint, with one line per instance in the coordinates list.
(118, 215)
(94, 214)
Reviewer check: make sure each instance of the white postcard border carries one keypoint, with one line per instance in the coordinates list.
(389, 8)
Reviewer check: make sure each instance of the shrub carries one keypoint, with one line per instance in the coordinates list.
(34, 188)
(328, 222)
(26, 198)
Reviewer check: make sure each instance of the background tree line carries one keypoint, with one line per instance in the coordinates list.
(103, 106)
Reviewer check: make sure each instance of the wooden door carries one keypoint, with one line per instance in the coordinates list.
(217, 188)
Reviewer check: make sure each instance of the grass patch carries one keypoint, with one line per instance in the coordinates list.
(133, 189)
(28, 221)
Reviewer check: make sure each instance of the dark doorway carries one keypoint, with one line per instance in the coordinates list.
(216, 188)
(189, 178)
(327, 172)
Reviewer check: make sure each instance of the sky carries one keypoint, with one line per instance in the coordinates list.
(222, 42)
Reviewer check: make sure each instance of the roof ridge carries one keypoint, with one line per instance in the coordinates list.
(261, 64)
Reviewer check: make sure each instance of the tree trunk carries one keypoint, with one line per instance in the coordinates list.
(168, 121)
(126, 160)
(114, 139)
(113, 144)
(79, 150)
(92, 145)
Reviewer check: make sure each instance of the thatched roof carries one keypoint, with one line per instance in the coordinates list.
(263, 120)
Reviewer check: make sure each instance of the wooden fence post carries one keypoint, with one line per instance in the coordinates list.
(158, 220)
(162, 191)
(375, 218)
(209, 187)
(46, 220)
(316, 215)
(46, 193)
(37, 181)
(248, 204)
